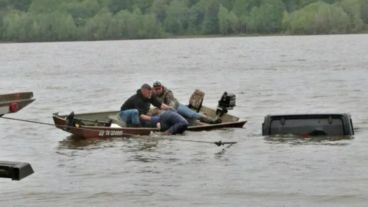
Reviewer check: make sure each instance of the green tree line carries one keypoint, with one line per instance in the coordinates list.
(58, 20)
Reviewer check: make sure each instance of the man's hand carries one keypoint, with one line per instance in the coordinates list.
(145, 117)
(165, 107)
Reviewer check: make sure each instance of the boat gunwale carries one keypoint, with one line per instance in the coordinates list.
(62, 117)
(132, 131)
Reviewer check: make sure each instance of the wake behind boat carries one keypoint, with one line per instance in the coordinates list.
(103, 124)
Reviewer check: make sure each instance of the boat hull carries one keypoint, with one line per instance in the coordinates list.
(98, 131)
(11, 103)
(94, 126)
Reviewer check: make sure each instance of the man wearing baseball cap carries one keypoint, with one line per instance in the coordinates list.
(166, 96)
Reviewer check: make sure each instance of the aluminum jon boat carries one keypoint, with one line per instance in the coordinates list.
(100, 124)
(13, 102)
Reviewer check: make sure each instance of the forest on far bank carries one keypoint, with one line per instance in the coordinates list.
(68, 20)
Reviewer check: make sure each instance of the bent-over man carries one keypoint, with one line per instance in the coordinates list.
(134, 110)
(170, 122)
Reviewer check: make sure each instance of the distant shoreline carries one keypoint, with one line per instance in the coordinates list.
(77, 20)
(189, 37)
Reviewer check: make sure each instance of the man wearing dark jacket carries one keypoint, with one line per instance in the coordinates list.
(134, 110)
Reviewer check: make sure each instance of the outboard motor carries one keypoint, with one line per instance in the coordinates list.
(70, 119)
(72, 122)
(227, 102)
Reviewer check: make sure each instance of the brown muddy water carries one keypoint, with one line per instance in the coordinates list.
(269, 75)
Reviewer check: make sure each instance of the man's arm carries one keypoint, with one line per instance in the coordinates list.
(170, 99)
(145, 117)
(159, 104)
(155, 120)
(165, 106)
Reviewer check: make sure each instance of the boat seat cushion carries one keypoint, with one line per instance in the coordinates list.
(196, 100)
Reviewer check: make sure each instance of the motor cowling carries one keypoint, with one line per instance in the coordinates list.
(227, 102)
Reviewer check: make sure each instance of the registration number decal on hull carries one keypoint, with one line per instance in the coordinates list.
(103, 133)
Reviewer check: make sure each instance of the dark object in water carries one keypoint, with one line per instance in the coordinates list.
(15, 170)
(308, 125)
